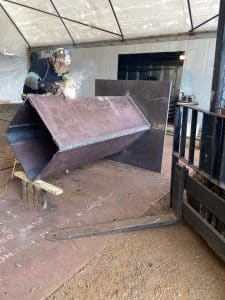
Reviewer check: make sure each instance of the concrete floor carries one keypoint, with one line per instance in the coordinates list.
(33, 268)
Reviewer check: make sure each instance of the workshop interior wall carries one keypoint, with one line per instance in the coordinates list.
(93, 63)
(13, 70)
(89, 64)
(13, 61)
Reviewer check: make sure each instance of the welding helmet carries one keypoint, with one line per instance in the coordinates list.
(61, 60)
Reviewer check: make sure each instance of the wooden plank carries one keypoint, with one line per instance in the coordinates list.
(115, 227)
(206, 197)
(214, 239)
(48, 187)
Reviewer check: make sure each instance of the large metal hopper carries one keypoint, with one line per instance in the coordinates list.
(50, 134)
(152, 97)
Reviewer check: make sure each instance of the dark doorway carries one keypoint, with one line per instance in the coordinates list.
(154, 66)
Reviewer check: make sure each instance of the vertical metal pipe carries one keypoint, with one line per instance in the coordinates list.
(203, 144)
(192, 136)
(190, 14)
(180, 173)
(216, 149)
(222, 156)
(176, 145)
(218, 84)
(184, 132)
(177, 128)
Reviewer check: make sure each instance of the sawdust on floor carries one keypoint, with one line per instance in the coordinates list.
(164, 263)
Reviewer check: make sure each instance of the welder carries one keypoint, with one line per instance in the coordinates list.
(50, 75)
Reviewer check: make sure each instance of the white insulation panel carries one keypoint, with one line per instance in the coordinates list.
(38, 4)
(142, 18)
(89, 64)
(96, 13)
(83, 34)
(13, 70)
(203, 10)
(10, 41)
(39, 29)
(146, 18)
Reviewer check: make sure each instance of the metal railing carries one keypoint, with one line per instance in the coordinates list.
(199, 169)
(211, 161)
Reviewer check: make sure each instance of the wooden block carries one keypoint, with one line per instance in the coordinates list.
(45, 186)
(34, 195)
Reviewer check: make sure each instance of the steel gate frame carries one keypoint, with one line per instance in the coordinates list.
(198, 184)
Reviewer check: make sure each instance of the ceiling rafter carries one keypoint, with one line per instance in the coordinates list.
(64, 25)
(117, 21)
(190, 14)
(62, 17)
(14, 24)
(203, 23)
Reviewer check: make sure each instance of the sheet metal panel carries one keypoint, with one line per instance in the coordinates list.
(50, 134)
(152, 97)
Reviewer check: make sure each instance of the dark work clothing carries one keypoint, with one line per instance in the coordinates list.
(44, 70)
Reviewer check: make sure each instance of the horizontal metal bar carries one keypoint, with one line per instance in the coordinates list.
(215, 240)
(205, 196)
(133, 41)
(115, 227)
(200, 110)
(201, 172)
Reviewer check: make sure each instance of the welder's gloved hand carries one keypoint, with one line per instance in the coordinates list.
(59, 89)
(47, 87)
(51, 88)
(69, 87)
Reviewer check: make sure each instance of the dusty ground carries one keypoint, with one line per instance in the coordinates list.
(166, 263)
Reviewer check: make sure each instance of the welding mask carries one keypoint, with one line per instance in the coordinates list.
(61, 60)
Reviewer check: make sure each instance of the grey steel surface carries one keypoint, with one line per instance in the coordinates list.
(152, 97)
(50, 134)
